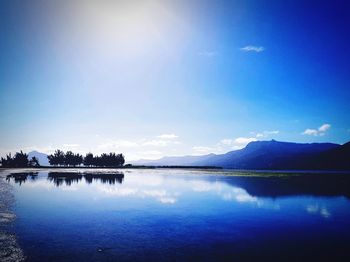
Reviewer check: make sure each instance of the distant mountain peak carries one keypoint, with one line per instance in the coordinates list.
(42, 157)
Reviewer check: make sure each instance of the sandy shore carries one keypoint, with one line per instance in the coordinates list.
(9, 248)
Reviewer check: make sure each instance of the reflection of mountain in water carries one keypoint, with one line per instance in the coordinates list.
(257, 186)
(22, 177)
(307, 184)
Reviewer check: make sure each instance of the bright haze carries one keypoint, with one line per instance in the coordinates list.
(156, 78)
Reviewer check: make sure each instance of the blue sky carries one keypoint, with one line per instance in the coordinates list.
(155, 78)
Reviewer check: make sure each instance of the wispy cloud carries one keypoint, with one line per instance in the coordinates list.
(265, 133)
(155, 142)
(324, 127)
(244, 140)
(140, 148)
(252, 48)
(229, 144)
(70, 145)
(317, 132)
(168, 136)
(116, 144)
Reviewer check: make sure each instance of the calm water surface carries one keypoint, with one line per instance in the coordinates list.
(180, 215)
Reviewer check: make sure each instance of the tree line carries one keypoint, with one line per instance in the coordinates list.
(69, 159)
(20, 159)
(59, 158)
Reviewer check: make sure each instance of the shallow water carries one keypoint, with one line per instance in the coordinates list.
(180, 215)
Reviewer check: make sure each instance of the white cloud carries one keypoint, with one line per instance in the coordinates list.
(324, 127)
(70, 145)
(265, 133)
(227, 141)
(117, 144)
(155, 142)
(168, 136)
(310, 132)
(237, 142)
(317, 132)
(224, 145)
(252, 48)
(244, 140)
(229, 144)
(274, 132)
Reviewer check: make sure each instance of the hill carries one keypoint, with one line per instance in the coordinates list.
(43, 161)
(269, 155)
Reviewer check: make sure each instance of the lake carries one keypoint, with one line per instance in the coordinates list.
(182, 215)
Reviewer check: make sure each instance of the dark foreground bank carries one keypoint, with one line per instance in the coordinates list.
(9, 248)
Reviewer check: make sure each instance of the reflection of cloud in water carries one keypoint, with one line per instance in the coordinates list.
(70, 188)
(315, 209)
(40, 183)
(325, 213)
(155, 193)
(160, 195)
(167, 200)
(148, 181)
(204, 186)
(227, 193)
(239, 196)
(117, 191)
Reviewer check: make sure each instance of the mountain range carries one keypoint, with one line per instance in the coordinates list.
(268, 155)
(274, 155)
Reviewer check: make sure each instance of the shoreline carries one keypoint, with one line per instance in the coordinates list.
(9, 248)
(209, 170)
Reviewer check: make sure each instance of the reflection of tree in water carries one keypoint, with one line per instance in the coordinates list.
(110, 178)
(58, 178)
(20, 178)
(67, 178)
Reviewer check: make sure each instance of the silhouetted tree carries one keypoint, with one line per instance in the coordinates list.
(78, 160)
(33, 162)
(19, 160)
(58, 158)
(71, 159)
(120, 159)
(109, 160)
(88, 159)
(8, 161)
